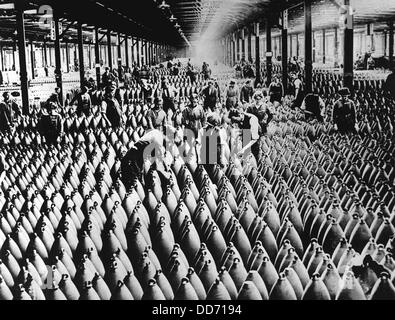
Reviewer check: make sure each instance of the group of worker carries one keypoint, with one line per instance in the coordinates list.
(204, 128)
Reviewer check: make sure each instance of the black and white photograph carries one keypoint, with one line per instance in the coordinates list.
(213, 152)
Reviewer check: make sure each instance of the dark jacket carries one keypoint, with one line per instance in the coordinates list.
(344, 116)
(114, 113)
(390, 85)
(246, 94)
(84, 104)
(210, 97)
(6, 117)
(50, 126)
(107, 79)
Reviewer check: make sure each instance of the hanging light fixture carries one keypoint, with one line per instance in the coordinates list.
(163, 5)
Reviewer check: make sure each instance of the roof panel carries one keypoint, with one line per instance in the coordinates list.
(156, 20)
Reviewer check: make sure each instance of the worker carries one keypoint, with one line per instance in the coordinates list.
(139, 159)
(212, 145)
(313, 107)
(156, 116)
(7, 113)
(50, 125)
(169, 94)
(112, 107)
(232, 95)
(344, 113)
(251, 134)
(260, 109)
(246, 93)
(193, 116)
(210, 95)
(84, 103)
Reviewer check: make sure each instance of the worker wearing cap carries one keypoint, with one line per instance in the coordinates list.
(112, 107)
(84, 103)
(344, 113)
(232, 95)
(276, 92)
(251, 133)
(212, 143)
(8, 113)
(177, 117)
(107, 78)
(147, 90)
(193, 116)
(246, 93)
(299, 94)
(210, 96)
(156, 116)
(50, 124)
(216, 86)
(261, 110)
(169, 94)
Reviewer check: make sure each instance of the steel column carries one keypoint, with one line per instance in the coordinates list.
(2, 58)
(119, 54)
(152, 53)
(45, 53)
(391, 43)
(20, 24)
(323, 46)
(297, 46)
(67, 56)
(284, 56)
(81, 55)
(349, 49)
(308, 47)
(269, 52)
(132, 47)
(336, 48)
(13, 56)
(138, 52)
(97, 57)
(58, 61)
(109, 49)
(249, 45)
(90, 55)
(233, 50)
(146, 52)
(127, 51)
(243, 46)
(32, 59)
(237, 46)
(257, 54)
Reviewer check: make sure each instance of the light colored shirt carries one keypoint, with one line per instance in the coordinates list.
(254, 124)
(298, 84)
(154, 136)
